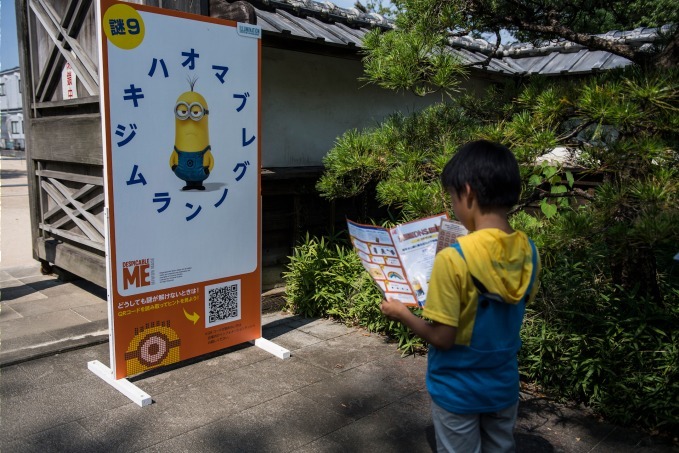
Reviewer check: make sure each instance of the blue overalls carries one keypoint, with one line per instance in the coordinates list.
(190, 165)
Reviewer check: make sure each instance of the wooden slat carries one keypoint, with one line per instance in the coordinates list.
(76, 11)
(96, 223)
(74, 45)
(66, 103)
(26, 63)
(73, 237)
(77, 260)
(51, 75)
(80, 62)
(85, 179)
(74, 139)
(75, 14)
(79, 193)
(99, 199)
(85, 227)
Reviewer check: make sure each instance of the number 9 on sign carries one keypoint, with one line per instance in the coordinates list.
(123, 26)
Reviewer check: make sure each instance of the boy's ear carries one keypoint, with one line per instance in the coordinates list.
(469, 194)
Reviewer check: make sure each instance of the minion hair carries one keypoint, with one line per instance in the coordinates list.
(192, 81)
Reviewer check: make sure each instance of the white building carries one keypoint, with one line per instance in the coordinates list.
(11, 112)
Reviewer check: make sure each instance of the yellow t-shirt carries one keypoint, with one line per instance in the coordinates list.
(501, 261)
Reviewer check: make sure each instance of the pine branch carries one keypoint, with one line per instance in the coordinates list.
(575, 132)
(554, 28)
(490, 56)
(540, 195)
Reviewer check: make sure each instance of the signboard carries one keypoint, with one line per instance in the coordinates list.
(68, 82)
(180, 109)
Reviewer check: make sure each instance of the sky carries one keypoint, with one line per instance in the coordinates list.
(9, 51)
(345, 3)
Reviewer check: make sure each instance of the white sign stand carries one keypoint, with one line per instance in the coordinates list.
(138, 396)
(271, 348)
(141, 398)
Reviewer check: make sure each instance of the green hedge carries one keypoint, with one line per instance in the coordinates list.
(583, 339)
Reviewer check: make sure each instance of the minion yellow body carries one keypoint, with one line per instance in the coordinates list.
(191, 159)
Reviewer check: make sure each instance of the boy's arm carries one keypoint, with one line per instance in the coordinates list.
(440, 335)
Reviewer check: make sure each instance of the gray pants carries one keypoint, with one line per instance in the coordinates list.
(474, 433)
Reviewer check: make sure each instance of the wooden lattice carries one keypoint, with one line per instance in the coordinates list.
(72, 207)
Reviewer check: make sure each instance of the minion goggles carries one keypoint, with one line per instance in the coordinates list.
(195, 111)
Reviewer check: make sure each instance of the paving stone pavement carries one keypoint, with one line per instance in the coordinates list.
(342, 390)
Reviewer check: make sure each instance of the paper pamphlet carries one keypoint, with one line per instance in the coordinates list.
(400, 259)
(448, 234)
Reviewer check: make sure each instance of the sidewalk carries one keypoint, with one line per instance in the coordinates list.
(342, 389)
(39, 315)
(15, 227)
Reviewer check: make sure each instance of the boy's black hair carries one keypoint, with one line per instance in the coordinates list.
(491, 171)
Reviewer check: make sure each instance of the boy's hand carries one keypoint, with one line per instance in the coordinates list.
(394, 309)
(440, 335)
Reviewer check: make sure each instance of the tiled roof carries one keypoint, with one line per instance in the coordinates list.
(329, 24)
(322, 22)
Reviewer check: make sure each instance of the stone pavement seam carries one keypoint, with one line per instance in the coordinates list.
(17, 356)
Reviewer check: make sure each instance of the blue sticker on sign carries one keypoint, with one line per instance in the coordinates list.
(251, 31)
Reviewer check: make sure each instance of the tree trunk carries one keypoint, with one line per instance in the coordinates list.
(239, 11)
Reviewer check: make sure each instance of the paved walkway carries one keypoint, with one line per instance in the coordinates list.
(15, 230)
(342, 389)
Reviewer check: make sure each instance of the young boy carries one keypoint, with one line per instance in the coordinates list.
(475, 305)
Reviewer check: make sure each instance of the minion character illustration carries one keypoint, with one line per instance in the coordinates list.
(191, 159)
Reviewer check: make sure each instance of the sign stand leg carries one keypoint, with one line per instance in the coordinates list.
(124, 386)
(271, 347)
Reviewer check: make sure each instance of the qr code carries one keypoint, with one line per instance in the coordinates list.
(222, 303)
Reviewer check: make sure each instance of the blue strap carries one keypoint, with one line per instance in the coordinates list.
(207, 148)
(457, 247)
(535, 268)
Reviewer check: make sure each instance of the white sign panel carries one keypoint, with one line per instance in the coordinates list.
(181, 97)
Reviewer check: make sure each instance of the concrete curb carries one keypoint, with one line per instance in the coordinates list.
(68, 339)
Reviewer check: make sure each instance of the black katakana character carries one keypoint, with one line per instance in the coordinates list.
(162, 64)
(120, 132)
(242, 167)
(221, 200)
(194, 213)
(133, 93)
(243, 97)
(136, 178)
(190, 59)
(222, 72)
(245, 141)
(162, 197)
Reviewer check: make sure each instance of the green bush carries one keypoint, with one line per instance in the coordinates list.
(326, 278)
(587, 340)
(584, 340)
